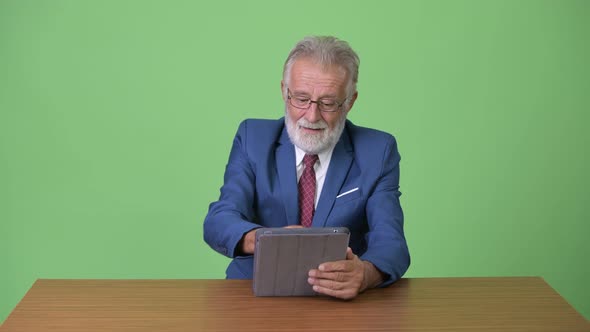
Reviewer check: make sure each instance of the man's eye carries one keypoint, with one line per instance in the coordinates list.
(328, 102)
(302, 100)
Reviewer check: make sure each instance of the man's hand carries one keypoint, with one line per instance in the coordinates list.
(248, 243)
(345, 279)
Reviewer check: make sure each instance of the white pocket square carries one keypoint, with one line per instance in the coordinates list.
(348, 192)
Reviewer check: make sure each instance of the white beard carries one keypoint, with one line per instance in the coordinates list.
(313, 143)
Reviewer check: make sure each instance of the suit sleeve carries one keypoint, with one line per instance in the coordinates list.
(231, 216)
(386, 244)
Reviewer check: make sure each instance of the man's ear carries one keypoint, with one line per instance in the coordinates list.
(352, 100)
(283, 93)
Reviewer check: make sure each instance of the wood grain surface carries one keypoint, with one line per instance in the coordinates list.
(421, 304)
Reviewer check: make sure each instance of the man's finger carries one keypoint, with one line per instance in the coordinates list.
(336, 276)
(345, 294)
(349, 254)
(327, 283)
(335, 266)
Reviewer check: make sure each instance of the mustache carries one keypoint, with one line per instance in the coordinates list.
(312, 125)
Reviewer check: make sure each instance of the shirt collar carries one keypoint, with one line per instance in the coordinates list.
(324, 156)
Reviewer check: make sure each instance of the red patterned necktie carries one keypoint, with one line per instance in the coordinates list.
(307, 190)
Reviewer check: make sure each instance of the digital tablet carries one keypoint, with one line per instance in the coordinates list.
(284, 256)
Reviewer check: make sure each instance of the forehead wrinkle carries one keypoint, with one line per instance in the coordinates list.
(306, 74)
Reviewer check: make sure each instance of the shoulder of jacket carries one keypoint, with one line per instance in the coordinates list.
(359, 134)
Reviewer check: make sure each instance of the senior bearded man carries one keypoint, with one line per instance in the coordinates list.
(354, 173)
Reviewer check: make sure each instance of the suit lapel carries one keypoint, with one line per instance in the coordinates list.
(337, 171)
(285, 159)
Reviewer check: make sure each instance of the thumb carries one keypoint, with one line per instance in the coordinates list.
(349, 254)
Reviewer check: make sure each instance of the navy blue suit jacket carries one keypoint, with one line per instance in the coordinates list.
(260, 190)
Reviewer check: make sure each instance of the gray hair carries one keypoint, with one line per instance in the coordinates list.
(326, 51)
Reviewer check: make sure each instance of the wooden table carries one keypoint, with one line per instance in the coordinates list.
(428, 304)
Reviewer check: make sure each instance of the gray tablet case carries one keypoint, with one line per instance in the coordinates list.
(284, 256)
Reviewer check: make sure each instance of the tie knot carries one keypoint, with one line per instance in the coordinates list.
(309, 160)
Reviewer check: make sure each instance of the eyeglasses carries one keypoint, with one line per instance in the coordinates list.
(303, 102)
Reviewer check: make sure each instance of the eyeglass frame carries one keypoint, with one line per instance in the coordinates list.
(317, 102)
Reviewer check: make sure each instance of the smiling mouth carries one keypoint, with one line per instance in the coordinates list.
(317, 130)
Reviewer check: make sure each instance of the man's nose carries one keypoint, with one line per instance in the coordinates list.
(313, 113)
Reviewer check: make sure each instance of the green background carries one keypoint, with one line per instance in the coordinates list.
(116, 119)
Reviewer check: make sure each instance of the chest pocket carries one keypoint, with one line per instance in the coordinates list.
(348, 197)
